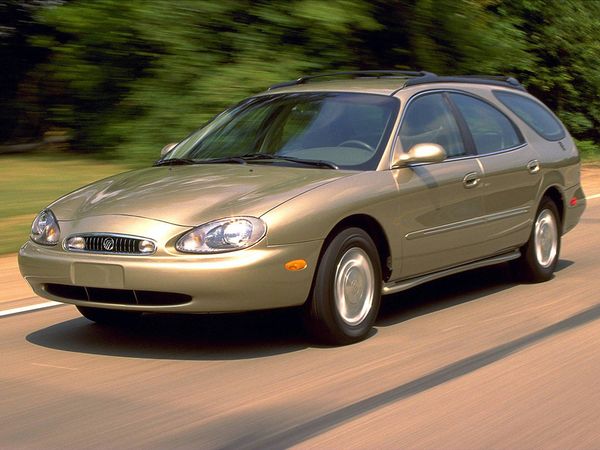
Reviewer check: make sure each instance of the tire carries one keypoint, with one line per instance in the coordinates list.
(110, 317)
(539, 255)
(346, 291)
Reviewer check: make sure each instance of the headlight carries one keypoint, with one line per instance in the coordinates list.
(222, 235)
(45, 229)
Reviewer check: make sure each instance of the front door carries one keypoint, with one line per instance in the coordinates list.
(440, 204)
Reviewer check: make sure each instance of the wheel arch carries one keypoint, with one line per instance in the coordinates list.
(375, 231)
(556, 195)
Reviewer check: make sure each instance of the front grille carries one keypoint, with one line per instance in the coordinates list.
(117, 296)
(110, 243)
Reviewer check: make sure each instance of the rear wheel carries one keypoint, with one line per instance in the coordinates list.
(347, 289)
(112, 317)
(540, 255)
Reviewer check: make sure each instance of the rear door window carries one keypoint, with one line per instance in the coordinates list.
(492, 131)
(533, 114)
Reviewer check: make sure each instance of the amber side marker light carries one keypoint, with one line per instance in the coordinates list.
(295, 265)
(573, 201)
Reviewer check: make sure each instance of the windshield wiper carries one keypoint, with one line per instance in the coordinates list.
(187, 161)
(308, 162)
(174, 162)
(243, 159)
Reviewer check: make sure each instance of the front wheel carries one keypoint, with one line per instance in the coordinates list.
(346, 292)
(112, 317)
(540, 255)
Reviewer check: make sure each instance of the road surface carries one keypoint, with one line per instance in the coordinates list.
(472, 361)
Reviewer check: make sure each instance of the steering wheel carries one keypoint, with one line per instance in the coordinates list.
(360, 144)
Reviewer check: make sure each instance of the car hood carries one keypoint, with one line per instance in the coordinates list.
(192, 195)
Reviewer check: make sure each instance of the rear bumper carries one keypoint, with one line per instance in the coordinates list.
(573, 212)
(245, 280)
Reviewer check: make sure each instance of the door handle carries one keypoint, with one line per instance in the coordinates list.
(533, 166)
(471, 180)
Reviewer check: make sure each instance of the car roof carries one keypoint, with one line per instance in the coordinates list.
(383, 86)
(384, 82)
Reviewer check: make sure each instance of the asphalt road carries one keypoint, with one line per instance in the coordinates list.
(472, 361)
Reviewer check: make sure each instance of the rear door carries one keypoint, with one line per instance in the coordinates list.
(511, 172)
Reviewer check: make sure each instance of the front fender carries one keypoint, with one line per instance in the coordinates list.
(312, 215)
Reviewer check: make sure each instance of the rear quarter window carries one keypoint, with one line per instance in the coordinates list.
(491, 130)
(533, 114)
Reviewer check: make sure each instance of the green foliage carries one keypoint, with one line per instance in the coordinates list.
(564, 38)
(128, 77)
(152, 73)
(589, 150)
(461, 37)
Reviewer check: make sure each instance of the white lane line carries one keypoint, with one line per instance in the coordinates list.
(13, 311)
(589, 197)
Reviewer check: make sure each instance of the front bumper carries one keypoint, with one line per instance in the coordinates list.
(244, 280)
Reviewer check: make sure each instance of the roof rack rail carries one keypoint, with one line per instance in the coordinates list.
(368, 73)
(497, 80)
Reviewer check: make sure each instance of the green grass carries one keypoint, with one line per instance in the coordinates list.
(29, 183)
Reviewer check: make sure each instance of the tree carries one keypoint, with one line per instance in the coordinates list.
(132, 76)
(21, 114)
(158, 69)
(564, 38)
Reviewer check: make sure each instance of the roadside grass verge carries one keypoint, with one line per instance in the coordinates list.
(28, 183)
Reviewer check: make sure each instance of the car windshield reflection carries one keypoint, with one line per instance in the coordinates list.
(345, 130)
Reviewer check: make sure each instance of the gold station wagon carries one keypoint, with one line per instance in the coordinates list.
(328, 192)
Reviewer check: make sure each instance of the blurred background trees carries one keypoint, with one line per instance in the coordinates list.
(124, 78)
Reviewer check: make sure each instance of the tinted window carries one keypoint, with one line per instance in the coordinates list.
(533, 114)
(491, 130)
(355, 122)
(430, 120)
(349, 130)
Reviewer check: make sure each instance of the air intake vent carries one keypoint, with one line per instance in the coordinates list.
(117, 296)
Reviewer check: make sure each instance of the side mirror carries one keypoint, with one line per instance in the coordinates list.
(420, 153)
(167, 148)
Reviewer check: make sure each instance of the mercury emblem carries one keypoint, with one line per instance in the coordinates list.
(108, 244)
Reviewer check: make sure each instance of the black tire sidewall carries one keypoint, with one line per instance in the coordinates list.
(325, 319)
(532, 269)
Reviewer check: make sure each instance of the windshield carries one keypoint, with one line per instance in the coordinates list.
(345, 129)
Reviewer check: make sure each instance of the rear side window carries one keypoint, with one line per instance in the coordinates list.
(492, 131)
(533, 114)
